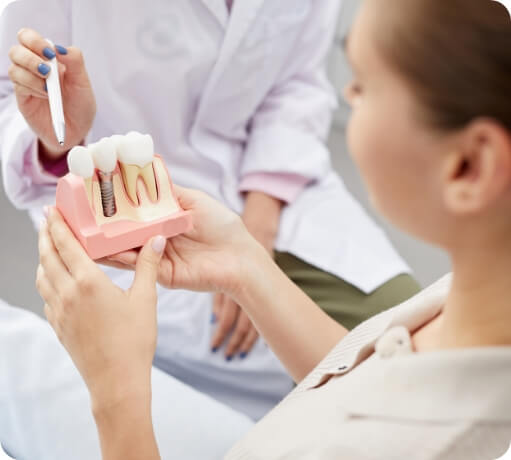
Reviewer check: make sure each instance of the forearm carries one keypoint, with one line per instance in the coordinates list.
(126, 430)
(296, 329)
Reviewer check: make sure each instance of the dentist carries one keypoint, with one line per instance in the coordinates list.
(237, 100)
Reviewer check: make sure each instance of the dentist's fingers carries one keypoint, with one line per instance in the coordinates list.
(74, 257)
(20, 76)
(225, 323)
(30, 61)
(22, 91)
(241, 331)
(218, 301)
(249, 342)
(73, 60)
(30, 39)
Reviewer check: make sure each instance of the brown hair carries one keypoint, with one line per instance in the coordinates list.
(456, 54)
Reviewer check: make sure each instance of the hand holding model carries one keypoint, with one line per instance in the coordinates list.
(29, 71)
(85, 307)
(211, 257)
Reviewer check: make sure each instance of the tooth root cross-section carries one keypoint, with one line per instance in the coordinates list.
(131, 173)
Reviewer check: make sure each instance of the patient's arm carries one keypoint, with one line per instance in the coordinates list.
(296, 329)
(126, 429)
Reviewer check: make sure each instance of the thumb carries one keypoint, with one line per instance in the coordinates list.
(74, 63)
(148, 261)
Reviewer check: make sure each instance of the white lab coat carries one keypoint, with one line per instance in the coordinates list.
(223, 97)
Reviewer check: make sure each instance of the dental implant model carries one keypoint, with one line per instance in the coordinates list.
(80, 163)
(136, 155)
(118, 194)
(105, 160)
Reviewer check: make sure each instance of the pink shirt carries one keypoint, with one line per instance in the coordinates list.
(284, 186)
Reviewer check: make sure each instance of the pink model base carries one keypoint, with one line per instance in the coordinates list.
(111, 238)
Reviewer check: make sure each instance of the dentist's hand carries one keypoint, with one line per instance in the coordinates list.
(109, 333)
(29, 71)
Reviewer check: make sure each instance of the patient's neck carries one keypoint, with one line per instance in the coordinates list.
(478, 308)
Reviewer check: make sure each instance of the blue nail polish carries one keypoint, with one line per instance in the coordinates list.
(243, 355)
(48, 53)
(228, 358)
(60, 49)
(43, 69)
(213, 318)
(214, 349)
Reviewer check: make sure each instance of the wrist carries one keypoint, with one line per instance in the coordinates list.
(261, 216)
(255, 265)
(111, 392)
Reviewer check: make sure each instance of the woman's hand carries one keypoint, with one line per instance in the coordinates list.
(29, 71)
(214, 256)
(109, 333)
(261, 217)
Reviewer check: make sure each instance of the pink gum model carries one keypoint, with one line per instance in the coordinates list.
(102, 238)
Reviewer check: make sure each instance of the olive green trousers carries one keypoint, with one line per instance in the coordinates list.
(342, 301)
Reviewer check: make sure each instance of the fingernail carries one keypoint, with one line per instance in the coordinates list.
(61, 49)
(158, 244)
(243, 355)
(214, 349)
(43, 69)
(49, 53)
(46, 211)
(228, 358)
(213, 318)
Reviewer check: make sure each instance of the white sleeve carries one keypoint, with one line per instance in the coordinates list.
(289, 130)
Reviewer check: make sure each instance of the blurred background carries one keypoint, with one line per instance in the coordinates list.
(18, 243)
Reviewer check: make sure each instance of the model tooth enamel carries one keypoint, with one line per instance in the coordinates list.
(104, 155)
(80, 163)
(105, 159)
(136, 154)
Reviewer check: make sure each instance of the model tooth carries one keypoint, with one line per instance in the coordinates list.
(80, 163)
(147, 174)
(104, 155)
(136, 154)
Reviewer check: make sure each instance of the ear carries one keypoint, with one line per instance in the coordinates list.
(478, 171)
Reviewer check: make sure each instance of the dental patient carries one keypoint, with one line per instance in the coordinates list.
(428, 379)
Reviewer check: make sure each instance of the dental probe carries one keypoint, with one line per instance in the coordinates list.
(55, 100)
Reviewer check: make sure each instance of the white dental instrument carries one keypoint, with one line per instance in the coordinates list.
(55, 100)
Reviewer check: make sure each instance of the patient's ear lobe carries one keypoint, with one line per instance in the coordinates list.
(478, 173)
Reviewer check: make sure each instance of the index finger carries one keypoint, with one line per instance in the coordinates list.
(69, 248)
(34, 42)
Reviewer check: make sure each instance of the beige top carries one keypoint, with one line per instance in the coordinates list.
(373, 398)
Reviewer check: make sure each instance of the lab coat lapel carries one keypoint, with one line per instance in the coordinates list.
(218, 9)
(243, 14)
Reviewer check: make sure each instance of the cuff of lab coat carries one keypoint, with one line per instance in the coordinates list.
(42, 172)
(281, 148)
(285, 187)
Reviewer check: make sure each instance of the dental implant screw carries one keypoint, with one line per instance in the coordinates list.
(107, 193)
